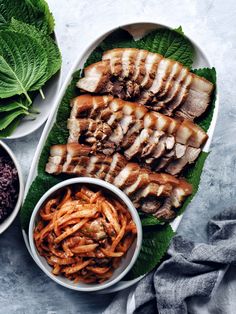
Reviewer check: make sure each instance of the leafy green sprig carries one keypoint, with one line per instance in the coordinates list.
(29, 57)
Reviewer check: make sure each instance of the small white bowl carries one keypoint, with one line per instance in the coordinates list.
(126, 263)
(8, 221)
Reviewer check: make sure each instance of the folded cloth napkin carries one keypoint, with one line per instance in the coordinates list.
(190, 274)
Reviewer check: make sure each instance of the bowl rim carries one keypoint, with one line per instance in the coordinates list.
(9, 220)
(104, 185)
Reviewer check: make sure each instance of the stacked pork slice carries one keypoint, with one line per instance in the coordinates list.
(110, 125)
(148, 78)
(156, 193)
(140, 147)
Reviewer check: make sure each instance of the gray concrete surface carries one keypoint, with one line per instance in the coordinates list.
(23, 287)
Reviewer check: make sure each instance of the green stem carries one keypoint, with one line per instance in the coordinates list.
(41, 93)
(28, 98)
(23, 107)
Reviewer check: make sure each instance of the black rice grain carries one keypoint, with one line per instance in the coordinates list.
(9, 185)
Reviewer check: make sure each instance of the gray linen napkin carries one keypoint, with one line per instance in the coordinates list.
(188, 280)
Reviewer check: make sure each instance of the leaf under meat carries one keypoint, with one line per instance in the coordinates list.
(155, 243)
(169, 43)
(120, 38)
(149, 220)
(23, 62)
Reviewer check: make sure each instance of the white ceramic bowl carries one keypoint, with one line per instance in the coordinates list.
(8, 221)
(126, 263)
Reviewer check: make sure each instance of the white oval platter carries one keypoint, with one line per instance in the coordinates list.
(137, 30)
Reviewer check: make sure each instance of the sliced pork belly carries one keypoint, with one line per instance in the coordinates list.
(148, 190)
(128, 108)
(151, 205)
(179, 193)
(198, 98)
(191, 134)
(78, 126)
(132, 134)
(94, 130)
(127, 176)
(173, 94)
(148, 78)
(165, 211)
(154, 138)
(163, 179)
(127, 122)
(142, 180)
(54, 165)
(128, 62)
(102, 172)
(99, 103)
(177, 165)
(160, 122)
(136, 109)
(160, 148)
(151, 64)
(174, 73)
(161, 76)
(114, 57)
(158, 83)
(59, 150)
(132, 63)
(164, 161)
(93, 165)
(163, 189)
(180, 96)
(137, 146)
(189, 110)
(114, 118)
(59, 154)
(198, 137)
(101, 107)
(117, 135)
(122, 61)
(96, 76)
(151, 143)
(88, 105)
(183, 133)
(177, 159)
(179, 150)
(77, 165)
(139, 66)
(117, 164)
